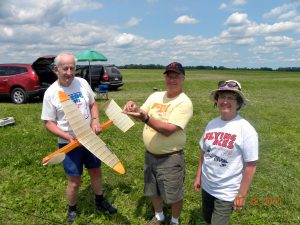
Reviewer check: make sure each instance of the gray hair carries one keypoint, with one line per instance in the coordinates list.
(57, 58)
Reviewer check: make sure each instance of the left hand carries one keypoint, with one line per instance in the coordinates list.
(239, 202)
(140, 115)
(96, 126)
(131, 107)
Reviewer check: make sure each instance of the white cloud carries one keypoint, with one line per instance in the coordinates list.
(186, 20)
(276, 27)
(237, 19)
(7, 32)
(289, 15)
(239, 2)
(157, 44)
(125, 39)
(240, 26)
(52, 12)
(233, 4)
(283, 9)
(223, 6)
(245, 41)
(133, 22)
(43, 30)
(263, 49)
(278, 40)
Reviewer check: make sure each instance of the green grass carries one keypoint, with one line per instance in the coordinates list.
(33, 194)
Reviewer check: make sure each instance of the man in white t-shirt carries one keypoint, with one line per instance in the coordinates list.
(227, 163)
(56, 123)
(166, 115)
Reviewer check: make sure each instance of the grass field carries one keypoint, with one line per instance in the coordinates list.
(33, 194)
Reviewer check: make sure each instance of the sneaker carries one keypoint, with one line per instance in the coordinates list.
(105, 206)
(71, 216)
(155, 221)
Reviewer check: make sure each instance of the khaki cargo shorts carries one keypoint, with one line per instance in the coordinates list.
(164, 176)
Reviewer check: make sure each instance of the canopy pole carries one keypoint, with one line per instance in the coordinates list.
(90, 73)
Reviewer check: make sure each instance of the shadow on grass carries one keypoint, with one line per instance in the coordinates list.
(196, 217)
(86, 205)
(143, 209)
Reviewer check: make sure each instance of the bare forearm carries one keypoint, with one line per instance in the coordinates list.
(240, 199)
(52, 127)
(95, 125)
(247, 178)
(162, 127)
(197, 181)
(94, 111)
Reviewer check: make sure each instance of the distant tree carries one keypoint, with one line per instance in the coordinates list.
(292, 69)
(266, 69)
(202, 67)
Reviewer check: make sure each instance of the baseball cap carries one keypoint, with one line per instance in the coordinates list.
(175, 67)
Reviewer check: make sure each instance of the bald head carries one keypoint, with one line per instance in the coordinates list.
(63, 56)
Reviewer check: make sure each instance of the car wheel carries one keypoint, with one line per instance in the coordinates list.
(18, 96)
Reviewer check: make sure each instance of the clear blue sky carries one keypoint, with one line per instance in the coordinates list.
(231, 33)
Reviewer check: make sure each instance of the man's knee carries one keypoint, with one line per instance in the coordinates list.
(74, 182)
(94, 172)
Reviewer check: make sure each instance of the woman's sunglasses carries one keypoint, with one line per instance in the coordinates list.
(230, 84)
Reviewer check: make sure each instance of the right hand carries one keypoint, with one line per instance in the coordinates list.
(70, 138)
(197, 184)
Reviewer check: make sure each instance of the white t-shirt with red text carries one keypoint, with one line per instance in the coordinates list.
(227, 145)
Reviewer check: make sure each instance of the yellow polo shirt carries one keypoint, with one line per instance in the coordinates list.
(177, 111)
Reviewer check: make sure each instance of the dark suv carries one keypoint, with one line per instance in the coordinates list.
(101, 74)
(23, 81)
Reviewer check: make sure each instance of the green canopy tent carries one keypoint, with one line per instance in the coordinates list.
(90, 55)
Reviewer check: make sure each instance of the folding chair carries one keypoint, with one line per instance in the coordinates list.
(103, 91)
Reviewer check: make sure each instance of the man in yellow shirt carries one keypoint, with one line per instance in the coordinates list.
(166, 115)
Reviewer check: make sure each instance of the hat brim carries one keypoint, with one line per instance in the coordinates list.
(214, 92)
(174, 70)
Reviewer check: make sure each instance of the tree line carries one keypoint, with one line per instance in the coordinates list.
(158, 66)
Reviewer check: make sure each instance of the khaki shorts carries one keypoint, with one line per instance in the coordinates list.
(164, 177)
(215, 211)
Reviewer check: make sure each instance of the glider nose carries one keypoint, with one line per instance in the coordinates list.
(119, 168)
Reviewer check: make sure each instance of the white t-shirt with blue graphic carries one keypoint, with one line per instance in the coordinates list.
(227, 145)
(81, 94)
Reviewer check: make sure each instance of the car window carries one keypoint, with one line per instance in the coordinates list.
(95, 70)
(14, 70)
(109, 69)
(3, 70)
(114, 70)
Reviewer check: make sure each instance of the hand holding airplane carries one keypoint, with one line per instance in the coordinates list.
(87, 137)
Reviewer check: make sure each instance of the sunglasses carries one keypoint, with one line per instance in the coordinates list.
(231, 84)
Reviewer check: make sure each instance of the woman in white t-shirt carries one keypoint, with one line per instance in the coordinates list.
(227, 162)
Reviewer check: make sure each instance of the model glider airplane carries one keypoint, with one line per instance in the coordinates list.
(86, 137)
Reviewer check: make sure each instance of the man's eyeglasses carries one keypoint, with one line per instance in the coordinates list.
(231, 84)
(66, 68)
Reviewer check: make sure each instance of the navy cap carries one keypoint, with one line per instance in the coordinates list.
(175, 67)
